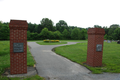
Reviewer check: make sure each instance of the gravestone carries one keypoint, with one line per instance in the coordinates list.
(118, 42)
(109, 41)
(18, 46)
(95, 46)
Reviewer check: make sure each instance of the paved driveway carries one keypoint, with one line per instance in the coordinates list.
(55, 67)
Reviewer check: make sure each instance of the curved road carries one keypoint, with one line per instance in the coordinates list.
(54, 67)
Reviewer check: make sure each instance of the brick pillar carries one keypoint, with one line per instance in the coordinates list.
(18, 46)
(95, 46)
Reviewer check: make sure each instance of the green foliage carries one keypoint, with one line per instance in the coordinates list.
(97, 26)
(32, 36)
(37, 32)
(57, 35)
(61, 25)
(4, 32)
(28, 35)
(45, 22)
(105, 36)
(34, 31)
(44, 34)
(106, 30)
(66, 34)
(31, 27)
(76, 34)
(116, 34)
(83, 34)
(38, 28)
(114, 26)
(51, 35)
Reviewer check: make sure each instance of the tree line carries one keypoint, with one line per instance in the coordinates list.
(47, 30)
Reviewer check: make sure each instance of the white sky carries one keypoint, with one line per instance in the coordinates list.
(80, 13)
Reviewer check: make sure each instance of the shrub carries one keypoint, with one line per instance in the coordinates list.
(51, 40)
(46, 40)
(56, 40)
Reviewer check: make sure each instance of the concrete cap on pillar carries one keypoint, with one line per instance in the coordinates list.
(99, 31)
(18, 23)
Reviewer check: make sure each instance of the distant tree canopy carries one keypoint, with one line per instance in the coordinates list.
(114, 26)
(61, 25)
(76, 34)
(46, 30)
(97, 26)
(45, 22)
(4, 31)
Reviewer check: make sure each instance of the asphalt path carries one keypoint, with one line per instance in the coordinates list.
(55, 67)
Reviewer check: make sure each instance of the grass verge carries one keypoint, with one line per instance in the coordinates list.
(36, 77)
(51, 43)
(60, 40)
(78, 53)
(5, 61)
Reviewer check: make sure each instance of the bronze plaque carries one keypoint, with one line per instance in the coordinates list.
(18, 47)
(99, 47)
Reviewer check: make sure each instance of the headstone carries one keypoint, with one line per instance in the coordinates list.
(105, 40)
(109, 41)
(95, 46)
(18, 46)
(118, 42)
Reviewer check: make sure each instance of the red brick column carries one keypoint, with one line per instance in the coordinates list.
(18, 46)
(95, 46)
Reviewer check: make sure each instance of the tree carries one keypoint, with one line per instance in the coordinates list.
(61, 25)
(34, 36)
(4, 32)
(45, 22)
(66, 34)
(97, 26)
(111, 31)
(106, 30)
(106, 36)
(44, 33)
(31, 27)
(57, 35)
(51, 35)
(83, 34)
(75, 34)
(1, 24)
(28, 35)
(116, 34)
(114, 26)
(38, 28)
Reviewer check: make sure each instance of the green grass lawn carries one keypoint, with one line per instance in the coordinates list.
(5, 61)
(36, 77)
(74, 40)
(34, 40)
(60, 40)
(78, 53)
(51, 43)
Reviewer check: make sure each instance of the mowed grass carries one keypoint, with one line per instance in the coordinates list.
(5, 61)
(36, 77)
(51, 43)
(78, 53)
(74, 40)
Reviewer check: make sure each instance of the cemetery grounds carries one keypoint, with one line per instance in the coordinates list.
(76, 53)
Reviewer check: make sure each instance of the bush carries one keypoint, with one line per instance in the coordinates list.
(51, 40)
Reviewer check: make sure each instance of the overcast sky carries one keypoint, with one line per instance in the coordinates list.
(80, 13)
